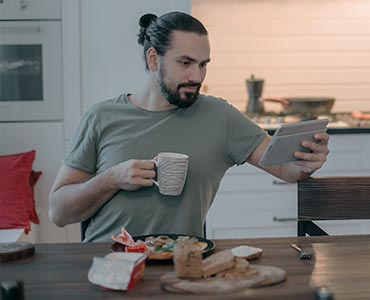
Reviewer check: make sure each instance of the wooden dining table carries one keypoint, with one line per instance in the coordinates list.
(341, 264)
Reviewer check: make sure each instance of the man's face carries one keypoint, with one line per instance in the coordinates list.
(183, 68)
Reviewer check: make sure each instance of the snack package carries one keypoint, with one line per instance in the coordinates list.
(117, 271)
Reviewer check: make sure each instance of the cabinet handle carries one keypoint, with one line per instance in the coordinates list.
(20, 29)
(277, 219)
(23, 4)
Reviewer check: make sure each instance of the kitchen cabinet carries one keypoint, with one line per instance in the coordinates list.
(252, 203)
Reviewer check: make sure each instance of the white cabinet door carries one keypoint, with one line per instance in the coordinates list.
(252, 203)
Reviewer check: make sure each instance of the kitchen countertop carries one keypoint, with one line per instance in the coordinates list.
(340, 123)
(335, 130)
(344, 130)
(349, 130)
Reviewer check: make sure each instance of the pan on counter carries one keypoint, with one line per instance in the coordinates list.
(312, 106)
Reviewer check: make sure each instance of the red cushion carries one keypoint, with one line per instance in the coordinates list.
(31, 209)
(17, 204)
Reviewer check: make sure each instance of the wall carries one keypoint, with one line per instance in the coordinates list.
(111, 58)
(300, 48)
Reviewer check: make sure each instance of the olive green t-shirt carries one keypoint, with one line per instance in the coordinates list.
(214, 135)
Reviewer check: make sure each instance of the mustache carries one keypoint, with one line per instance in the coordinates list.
(196, 84)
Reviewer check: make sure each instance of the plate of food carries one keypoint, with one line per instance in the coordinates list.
(157, 247)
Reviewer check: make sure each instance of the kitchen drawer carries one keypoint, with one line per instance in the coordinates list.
(344, 227)
(260, 181)
(244, 218)
(287, 229)
(242, 223)
(247, 218)
(252, 232)
(258, 201)
(266, 225)
(348, 153)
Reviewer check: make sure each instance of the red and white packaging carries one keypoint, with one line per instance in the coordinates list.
(118, 271)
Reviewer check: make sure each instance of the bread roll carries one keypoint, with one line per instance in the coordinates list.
(187, 258)
(241, 270)
(218, 262)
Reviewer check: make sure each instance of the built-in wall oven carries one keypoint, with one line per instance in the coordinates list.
(30, 60)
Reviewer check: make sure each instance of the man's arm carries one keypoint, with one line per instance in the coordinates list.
(300, 169)
(76, 195)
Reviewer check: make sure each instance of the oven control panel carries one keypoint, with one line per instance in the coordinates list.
(30, 10)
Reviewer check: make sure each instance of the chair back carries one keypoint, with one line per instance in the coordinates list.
(332, 198)
(83, 226)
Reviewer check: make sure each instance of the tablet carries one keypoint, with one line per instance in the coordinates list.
(287, 140)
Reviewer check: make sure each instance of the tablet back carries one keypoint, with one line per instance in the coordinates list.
(287, 139)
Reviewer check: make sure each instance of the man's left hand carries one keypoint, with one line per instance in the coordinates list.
(316, 158)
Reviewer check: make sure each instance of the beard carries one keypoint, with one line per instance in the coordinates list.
(172, 91)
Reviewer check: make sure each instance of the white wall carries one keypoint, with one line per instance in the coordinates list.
(111, 58)
(300, 48)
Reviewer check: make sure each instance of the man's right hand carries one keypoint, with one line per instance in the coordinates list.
(76, 195)
(134, 174)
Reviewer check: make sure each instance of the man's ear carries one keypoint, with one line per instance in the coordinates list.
(152, 59)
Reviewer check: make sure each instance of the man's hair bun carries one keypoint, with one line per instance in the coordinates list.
(145, 20)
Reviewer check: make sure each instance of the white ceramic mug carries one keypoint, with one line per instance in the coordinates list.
(172, 169)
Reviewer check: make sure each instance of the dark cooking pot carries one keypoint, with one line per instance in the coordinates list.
(311, 106)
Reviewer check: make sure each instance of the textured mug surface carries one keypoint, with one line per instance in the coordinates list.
(172, 169)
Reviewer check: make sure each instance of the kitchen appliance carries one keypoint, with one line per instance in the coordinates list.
(308, 106)
(30, 61)
(255, 89)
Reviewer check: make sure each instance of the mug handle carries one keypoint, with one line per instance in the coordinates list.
(155, 160)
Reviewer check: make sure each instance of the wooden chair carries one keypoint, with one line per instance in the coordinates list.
(83, 226)
(331, 198)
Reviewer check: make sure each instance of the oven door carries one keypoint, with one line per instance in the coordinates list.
(30, 71)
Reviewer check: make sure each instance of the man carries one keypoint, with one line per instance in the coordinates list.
(107, 175)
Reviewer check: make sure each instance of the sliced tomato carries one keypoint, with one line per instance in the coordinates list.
(138, 247)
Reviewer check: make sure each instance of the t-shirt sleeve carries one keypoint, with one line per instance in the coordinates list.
(242, 135)
(82, 151)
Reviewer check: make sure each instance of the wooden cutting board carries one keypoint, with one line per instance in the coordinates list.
(266, 275)
(16, 250)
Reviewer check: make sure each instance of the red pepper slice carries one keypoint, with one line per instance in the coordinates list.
(138, 247)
